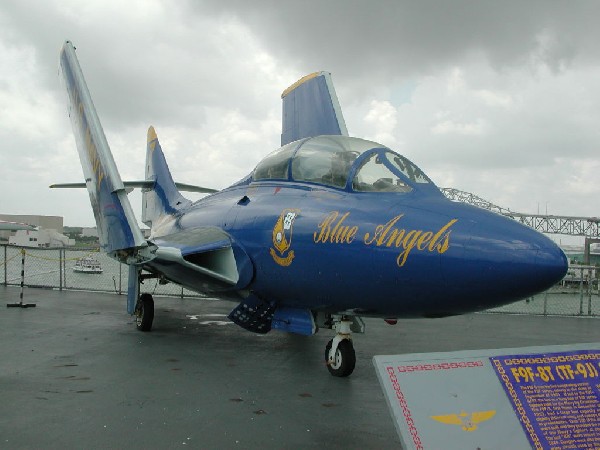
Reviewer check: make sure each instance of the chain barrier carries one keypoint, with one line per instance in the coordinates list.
(75, 258)
(7, 260)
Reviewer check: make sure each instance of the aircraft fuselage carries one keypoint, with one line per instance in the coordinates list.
(386, 254)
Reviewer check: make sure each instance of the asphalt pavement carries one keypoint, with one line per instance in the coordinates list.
(75, 373)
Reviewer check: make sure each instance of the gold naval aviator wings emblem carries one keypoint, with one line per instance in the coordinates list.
(467, 421)
(282, 237)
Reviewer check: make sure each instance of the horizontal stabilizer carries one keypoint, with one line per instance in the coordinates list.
(119, 234)
(311, 108)
(144, 184)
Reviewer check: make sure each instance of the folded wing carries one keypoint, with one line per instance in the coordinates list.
(119, 234)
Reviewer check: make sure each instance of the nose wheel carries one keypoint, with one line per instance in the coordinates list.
(339, 352)
(340, 362)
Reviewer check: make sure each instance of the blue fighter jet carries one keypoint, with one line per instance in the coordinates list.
(324, 231)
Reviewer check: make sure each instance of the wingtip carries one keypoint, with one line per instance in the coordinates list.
(68, 43)
(151, 134)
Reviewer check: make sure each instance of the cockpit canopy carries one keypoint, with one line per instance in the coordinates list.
(341, 162)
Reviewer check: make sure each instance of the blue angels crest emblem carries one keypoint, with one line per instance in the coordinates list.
(282, 237)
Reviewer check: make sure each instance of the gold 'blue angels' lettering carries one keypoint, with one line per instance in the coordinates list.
(334, 229)
(389, 235)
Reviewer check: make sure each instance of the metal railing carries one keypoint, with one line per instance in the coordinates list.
(53, 268)
(577, 295)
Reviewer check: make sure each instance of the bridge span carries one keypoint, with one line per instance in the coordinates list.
(587, 227)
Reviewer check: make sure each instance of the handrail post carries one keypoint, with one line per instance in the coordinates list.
(60, 269)
(21, 304)
(589, 291)
(546, 303)
(581, 291)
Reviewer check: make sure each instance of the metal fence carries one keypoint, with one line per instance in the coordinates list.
(53, 268)
(577, 295)
(557, 302)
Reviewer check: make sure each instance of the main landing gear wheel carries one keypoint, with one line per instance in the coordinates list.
(144, 312)
(342, 363)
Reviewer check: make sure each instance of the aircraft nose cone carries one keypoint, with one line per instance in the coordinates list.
(536, 264)
(498, 261)
(551, 264)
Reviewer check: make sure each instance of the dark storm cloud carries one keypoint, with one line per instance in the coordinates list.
(409, 38)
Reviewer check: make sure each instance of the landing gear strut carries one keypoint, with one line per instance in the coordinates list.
(339, 352)
(144, 312)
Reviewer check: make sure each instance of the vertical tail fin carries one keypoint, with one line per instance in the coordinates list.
(311, 108)
(164, 197)
(118, 231)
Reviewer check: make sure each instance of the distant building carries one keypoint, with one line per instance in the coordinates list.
(576, 254)
(89, 232)
(46, 222)
(40, 238)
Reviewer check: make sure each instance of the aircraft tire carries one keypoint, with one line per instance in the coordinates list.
(345, 359)
(144, 312)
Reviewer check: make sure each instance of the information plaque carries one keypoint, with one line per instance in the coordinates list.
(533, 397)
(555, 396)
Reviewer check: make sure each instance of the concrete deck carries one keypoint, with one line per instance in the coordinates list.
(75, 373)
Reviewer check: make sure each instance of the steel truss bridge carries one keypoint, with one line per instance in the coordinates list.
(589, 227)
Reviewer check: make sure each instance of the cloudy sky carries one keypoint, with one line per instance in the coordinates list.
(501, 99)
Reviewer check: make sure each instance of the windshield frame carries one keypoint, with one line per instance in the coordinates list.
(384, 154)
(361, 150)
